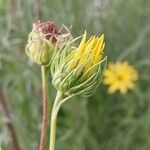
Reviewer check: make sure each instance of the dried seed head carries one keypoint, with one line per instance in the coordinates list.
(42, 41)
(48, 29)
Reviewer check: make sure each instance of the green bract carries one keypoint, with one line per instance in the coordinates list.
(41, 42)
(39, 49)
(77, 79)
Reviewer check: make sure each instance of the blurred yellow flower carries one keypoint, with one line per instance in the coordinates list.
(120, 76)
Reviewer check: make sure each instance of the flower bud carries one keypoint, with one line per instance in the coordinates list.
(41, 42)
(79, 70)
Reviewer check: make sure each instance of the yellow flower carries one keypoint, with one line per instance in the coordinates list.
(120, 76)
(79, 69)
(87, 54)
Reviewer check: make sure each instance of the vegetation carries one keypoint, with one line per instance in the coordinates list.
(103, 121)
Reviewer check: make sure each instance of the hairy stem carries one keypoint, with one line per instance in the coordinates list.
(44, 71)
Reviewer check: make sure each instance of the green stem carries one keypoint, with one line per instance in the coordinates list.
(54, 114)
(44, 71)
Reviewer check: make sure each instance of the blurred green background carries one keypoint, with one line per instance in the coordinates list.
(101, 122)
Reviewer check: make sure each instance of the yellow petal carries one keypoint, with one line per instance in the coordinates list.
(83, 40)
(113, 88)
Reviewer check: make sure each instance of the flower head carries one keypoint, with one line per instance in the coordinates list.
(120, 76)
(41, 42)
(79, 69)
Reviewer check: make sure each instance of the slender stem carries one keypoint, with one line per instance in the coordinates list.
(44, 71)
(54, 114)
(53, 133)
(9, 123)
(37, 10)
